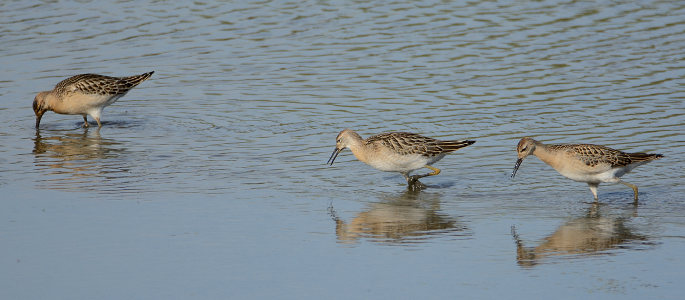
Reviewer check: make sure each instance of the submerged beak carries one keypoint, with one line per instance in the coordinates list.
(516, 167)
(38, 110)
(39, 115)
(333, 156)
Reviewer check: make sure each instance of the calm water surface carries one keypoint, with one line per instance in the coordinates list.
(209, 179)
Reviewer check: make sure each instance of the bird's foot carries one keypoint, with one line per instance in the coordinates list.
(414, 184)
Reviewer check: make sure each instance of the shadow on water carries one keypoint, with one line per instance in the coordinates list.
(591, 234)
(418, 185)
(110, 124)
(72, 159)
(440, 185)
(48, 126)
(406, 218)
(85, 145)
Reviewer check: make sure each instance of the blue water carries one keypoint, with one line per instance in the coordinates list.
(209, 180)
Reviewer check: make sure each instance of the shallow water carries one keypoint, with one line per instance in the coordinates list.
(209, 179)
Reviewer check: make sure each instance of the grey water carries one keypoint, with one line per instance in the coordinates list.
(208, 181)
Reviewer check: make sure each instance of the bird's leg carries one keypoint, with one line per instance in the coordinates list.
(593, 189)
(632, 186)
(97, 119)
(413, 182)
(85, 121)
(436, 171)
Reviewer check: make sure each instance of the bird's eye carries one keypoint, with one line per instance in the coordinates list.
(524, 149)
(338, 141)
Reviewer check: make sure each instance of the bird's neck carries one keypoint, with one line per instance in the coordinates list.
(50, 101)
(546, 155)
(361, 150)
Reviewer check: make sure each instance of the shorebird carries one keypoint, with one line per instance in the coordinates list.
(85, 94)
(592, 164)
(401, 152)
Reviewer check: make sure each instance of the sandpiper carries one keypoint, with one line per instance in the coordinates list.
(401, 152)
(592, 164)
(85, 94)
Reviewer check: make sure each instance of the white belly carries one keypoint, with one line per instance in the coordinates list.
(403, 163)
(608, 175)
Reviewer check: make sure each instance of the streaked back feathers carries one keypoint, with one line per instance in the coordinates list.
(100, 84)
(410, 143)
(593, 155)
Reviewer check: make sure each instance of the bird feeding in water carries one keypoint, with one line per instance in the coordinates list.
(85, 94)
(401, 152)
(592, 164)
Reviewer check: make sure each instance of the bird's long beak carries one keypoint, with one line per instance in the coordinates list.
(38, 110)
(39, 115)
(516, 167)
(333, 156)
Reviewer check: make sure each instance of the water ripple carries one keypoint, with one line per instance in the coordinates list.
(252, 94)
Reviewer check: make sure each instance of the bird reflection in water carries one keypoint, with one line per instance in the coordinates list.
(74, 159)
(411, 217)
(591, 234)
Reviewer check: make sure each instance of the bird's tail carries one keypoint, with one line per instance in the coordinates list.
(132, 81)
(637, 157)
(448, 146)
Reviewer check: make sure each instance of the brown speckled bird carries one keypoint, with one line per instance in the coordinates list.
(401, 152)
(85, 94)
(592, 164)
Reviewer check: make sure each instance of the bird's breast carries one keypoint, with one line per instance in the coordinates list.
(77, 103)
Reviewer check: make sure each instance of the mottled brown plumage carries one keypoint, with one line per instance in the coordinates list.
(401, 152)
(592, 164)
(99, 84)
(85, 94)
(593, 155)
(405, 143)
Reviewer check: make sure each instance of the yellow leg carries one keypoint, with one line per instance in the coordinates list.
(634, 187)
(436, 171)
(85, 121)
(414, 182)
